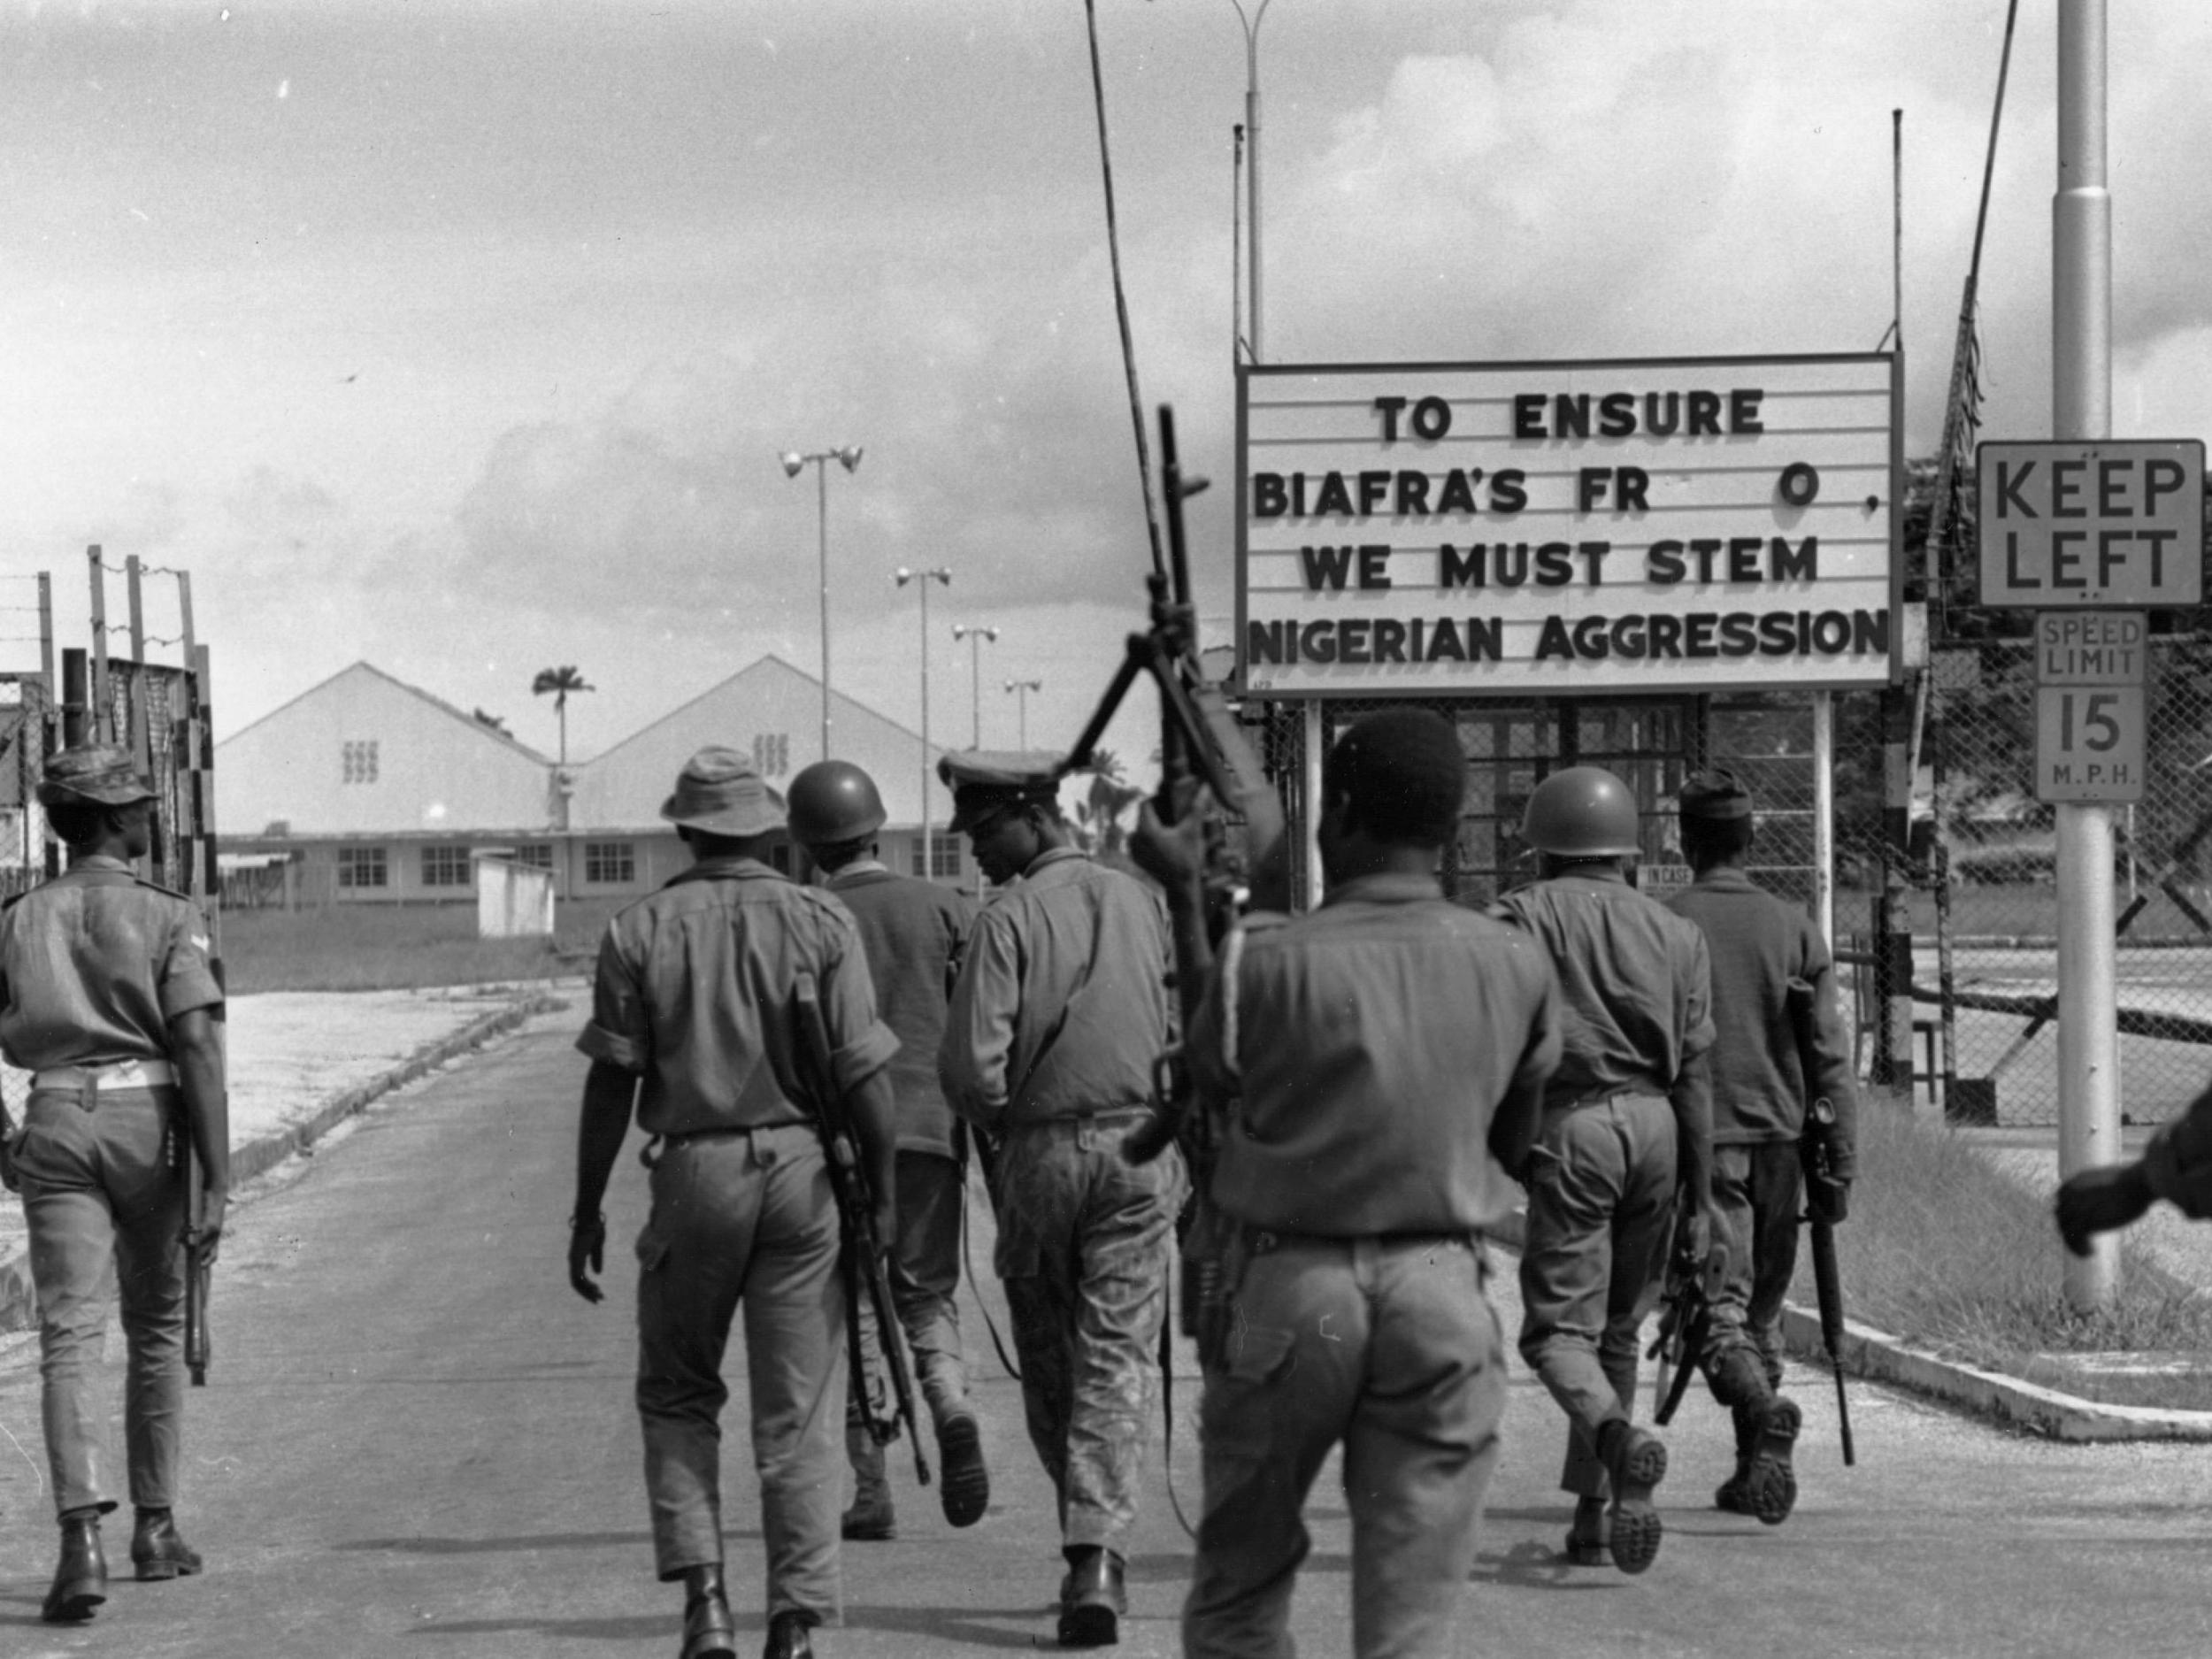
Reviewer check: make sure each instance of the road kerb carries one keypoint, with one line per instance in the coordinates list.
(1878, 1356)
(18, 1301)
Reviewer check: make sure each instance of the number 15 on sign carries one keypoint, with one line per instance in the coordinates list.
(2089, 742)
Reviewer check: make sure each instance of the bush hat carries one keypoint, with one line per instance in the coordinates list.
(983, 780)
(95, 774)
(722, 792)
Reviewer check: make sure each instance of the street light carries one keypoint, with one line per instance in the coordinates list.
(941, 574)
(793, 464)
(1022, 688)
(977, 634)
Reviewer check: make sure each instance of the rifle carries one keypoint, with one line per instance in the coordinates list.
(856, 1209)
(1691, 1288)
(199, 1274)
(1817, 1152)
(1200, 742)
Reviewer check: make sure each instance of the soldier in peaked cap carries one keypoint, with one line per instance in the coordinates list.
(1779, 1046)
(695, 1024)
(107, 997)
(1060, 1009)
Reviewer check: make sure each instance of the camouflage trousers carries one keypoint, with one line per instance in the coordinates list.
(1084, 1252)
(1755, 1191)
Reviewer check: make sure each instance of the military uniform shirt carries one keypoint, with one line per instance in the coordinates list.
(1633, 981)
(1759, 945)
(94, 965)
(913, 932)
(695, 992)
(1375, 1040)
(1062, 1006)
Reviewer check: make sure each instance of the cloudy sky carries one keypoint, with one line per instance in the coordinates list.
(462, 335)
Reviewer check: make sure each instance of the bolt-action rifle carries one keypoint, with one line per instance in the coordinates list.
(864, 1268)
(1816, 1148)
(1691, 1288)
(199, 1273)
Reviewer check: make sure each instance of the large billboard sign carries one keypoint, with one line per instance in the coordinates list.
(1686, 524)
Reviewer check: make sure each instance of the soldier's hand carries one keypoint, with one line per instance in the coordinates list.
(2098, 1200)
(214, 1204)
(1171, 853)
(1828, 1200)
(1693, 1235)
(586, 1255)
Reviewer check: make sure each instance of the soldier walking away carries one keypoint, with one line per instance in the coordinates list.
(107, 997)
(1779, 1045)
(2176, 1166)
(1059, 1012)
(696, 1021)
(1623, 1151)
(912, 931)
(1387, 1055)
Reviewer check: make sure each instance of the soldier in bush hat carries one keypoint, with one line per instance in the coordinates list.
(695, 1024)
(913, 930)
(108, 999)
(1624, 1149)
(1779, 1045)
(1060, 1010)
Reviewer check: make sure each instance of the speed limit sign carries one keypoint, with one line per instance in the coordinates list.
(2089, 742)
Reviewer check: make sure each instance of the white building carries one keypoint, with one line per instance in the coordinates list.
(378, 791)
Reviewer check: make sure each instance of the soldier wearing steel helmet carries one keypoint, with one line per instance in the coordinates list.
(696, 1024)
(108, 998)
(1060, 1009)
(913, 930)
(1624, 1146)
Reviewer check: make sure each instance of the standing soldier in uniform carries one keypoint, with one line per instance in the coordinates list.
(1387, 1057)
(694, 1020)
(1624, 1150)
(107, 997)
(1780, 1044)
(1059, 1012)
(913, 930)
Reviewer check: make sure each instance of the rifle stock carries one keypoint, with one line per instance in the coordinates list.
(198, 1275)
(1820, 1121)
(865, 1250)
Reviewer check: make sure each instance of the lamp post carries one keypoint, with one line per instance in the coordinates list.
(793, 464)
(976, 634)
(1022, 688)
(941, 574)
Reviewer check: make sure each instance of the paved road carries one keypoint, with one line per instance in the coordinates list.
(420, 1443)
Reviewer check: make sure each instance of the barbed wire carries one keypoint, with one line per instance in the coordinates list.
(124, 569)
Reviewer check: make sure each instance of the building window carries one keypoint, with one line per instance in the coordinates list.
(772, 754)
(944, 856)
(445, 866)
(607, 863)
(536, 855)
(361, 867)
(357, 760)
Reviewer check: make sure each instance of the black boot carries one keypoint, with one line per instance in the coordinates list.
(709, 1633)
(1636, 1462)
(157, 1550)
(787, 1637)
(1093, 1598)
(81, 1582)
(1734, 1494)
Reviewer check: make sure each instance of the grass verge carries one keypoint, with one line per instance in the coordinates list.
(393, 947)
(1960, 1259)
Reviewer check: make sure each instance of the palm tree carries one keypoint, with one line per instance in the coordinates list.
(560, 682)
(1100, 814)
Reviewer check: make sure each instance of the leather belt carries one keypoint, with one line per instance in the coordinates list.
(123, 1074)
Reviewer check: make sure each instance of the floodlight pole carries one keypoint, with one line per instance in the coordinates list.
(2081, 411)
(1021, 688)
(848, 456)
(941, 574)
(976, 635)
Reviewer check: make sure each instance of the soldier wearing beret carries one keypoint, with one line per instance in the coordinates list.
(1624, 1150)
(107, 997)
(1060, 1009)
(1781, 1045)
(695, 1024)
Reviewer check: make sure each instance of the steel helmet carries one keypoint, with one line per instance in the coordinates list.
(1583, 812)
(833, 800)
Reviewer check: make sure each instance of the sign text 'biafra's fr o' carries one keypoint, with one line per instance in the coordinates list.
(1678, 524)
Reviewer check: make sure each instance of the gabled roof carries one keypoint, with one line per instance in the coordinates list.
(469, 720)
(842, 707)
